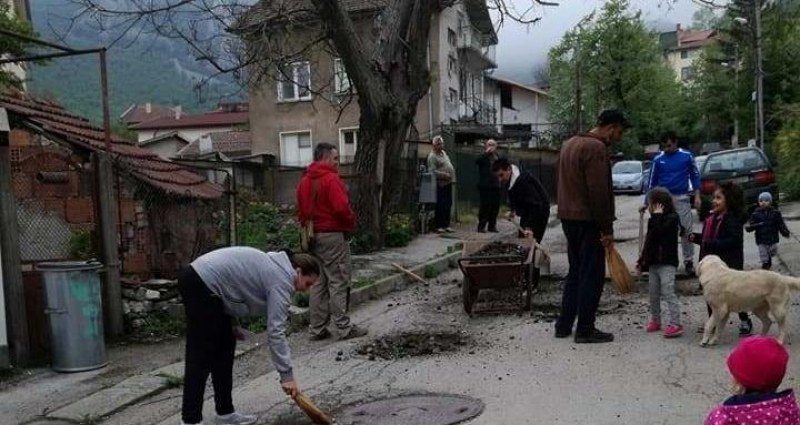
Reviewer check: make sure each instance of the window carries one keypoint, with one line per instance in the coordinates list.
(452, 39)
(453, 99)
(452, 67)
(687, 73)
(684, 54)
(348, 143)
(342, 84)
(296, 149)
(294, 82)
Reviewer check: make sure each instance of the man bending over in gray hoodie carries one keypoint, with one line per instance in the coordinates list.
(229, 283)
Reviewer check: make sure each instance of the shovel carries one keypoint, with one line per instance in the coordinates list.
(316, 415)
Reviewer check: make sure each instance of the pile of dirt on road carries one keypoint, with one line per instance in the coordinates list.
(398, 346)
(500, 248)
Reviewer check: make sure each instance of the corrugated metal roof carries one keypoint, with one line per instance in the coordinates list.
(142, 164)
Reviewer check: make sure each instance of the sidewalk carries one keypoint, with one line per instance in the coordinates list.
(789, 248)
(131, 379)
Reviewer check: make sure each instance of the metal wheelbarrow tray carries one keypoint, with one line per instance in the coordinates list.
(498, 272)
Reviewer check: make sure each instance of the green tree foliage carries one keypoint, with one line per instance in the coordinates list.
(10, 46)
(621, 67)
(787, 148)
(720, 95)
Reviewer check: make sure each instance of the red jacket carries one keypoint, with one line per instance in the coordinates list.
(332, 212)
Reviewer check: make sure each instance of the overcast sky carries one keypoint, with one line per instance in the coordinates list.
(521, 49)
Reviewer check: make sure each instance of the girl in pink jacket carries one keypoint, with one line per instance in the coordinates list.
(757, 366)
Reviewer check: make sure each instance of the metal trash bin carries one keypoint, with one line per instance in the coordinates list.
(75, 314)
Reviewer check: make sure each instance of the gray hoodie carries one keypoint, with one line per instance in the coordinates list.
(251, 282)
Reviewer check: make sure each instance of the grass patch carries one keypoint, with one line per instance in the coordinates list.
(360, 283)
(429, 272)
(171, 381)
(158, 326)
(88, 420)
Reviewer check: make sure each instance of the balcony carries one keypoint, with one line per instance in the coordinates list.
(477, 48)
(477, 118)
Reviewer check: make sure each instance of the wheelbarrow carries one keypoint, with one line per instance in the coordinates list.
(500, 272)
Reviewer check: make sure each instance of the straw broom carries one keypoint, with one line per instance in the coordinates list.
(620, 274)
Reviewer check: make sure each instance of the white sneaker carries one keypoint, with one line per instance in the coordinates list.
(236, 418)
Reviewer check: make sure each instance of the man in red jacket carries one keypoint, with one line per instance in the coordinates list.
(322, 198)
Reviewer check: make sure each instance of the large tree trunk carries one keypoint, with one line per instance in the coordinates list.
(379, 184)
(390, 80)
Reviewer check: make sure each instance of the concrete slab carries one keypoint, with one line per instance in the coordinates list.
(109, 400)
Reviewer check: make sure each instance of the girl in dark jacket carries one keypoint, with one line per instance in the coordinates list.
(660, 258)
(723, 235)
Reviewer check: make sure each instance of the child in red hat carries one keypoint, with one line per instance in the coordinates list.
(757, 366)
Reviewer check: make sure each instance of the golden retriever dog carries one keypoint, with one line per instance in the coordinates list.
(728, 291)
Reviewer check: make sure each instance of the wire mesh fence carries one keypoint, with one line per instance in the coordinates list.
(55, 195)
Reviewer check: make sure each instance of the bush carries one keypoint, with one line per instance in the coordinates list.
(81, 245)
(399, 230)
(262, 225)
(787, 148)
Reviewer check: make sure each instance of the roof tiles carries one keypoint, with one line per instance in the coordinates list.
(142, 164)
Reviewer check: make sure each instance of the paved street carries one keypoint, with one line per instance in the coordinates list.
(514, 365)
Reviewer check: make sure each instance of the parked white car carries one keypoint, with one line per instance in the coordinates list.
(629, 177)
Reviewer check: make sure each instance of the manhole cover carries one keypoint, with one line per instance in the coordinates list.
(398, 346)
(413, 410)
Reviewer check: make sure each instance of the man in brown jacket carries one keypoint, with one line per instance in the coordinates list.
(586, 210)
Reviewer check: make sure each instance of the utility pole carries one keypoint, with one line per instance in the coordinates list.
(13, 289)
(759, 76)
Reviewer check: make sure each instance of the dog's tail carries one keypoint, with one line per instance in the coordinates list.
(791, 282)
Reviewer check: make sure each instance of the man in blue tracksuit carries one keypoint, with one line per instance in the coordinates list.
(673, 169)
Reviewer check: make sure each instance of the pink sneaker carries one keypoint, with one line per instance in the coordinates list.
(653, 326)
(673, 331)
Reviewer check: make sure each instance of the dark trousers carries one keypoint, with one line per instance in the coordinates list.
(489, 208)
(535, 220)
(585, 279)
(210, 345)
(444, 204)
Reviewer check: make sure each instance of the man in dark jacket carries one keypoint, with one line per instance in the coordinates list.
(322, 198)
(586, 210)
(488, 189)
(526, 196)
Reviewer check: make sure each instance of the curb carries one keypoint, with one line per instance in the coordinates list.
(789, 253)
(85, 410)
(299, 316)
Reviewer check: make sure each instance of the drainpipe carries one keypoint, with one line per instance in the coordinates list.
(430, 94)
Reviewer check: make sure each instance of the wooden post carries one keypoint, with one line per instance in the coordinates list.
(12, 265)
(107, 226)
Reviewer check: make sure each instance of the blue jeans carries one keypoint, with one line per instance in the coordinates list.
(586, 276)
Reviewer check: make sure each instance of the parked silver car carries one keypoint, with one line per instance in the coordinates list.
(629, 177)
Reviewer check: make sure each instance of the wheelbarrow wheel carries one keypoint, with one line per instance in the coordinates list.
(469, 295)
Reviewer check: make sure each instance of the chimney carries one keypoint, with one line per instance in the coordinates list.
(148, 108)
(178, 111)
(205, 144)
(678, 27)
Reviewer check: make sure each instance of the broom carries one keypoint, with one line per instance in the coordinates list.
(620, 275)
(316, 415)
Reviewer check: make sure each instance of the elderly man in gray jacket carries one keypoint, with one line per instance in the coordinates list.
(220, 287)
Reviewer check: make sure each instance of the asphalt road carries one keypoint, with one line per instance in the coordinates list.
(513, 363)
